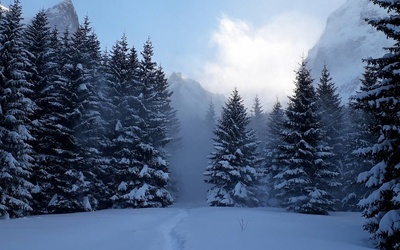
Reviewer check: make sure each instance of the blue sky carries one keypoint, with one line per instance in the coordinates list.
(206, 39)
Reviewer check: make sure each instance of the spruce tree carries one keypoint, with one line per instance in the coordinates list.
(275, 123)
(144, 172)
(257, 122)
(90, 126)
(16, 109)
(331, 114)
(305, 181)
(42, 55)
(211, 115)
(79, 82)
(124, 80)
(382, 101)
(151, 186)
(62, 143)
(233, 170)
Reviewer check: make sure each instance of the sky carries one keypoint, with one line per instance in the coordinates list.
(253, 45)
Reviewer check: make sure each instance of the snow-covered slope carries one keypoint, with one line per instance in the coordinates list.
(203, 228)
(190, 98)
(63, 16)
(348, 39)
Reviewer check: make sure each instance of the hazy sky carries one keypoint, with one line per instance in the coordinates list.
(254, 45)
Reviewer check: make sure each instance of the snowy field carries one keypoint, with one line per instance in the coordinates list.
(201, 228)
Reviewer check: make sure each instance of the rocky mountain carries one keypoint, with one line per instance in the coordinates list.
(346, 40)
(63, 16)
(191, 99)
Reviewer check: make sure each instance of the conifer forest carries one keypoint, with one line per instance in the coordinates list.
(83, 129)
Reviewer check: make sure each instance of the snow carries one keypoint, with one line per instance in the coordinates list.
(180, 227)
(347, 39)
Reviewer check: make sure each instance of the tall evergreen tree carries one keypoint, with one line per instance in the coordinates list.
(306, 178)
(173, 125)
(331, 114)
(42, 47)
(125, 85)
(211, 116)
(79, 81)
(62, 143)
(357, 136)
(257, 122)
(16, 108)
(233, 170)
(382, 101)
(148, 168)
(272, 167)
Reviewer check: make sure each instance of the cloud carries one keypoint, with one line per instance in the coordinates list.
(259, 60)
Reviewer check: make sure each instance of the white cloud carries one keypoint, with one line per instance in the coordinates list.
(259, 60)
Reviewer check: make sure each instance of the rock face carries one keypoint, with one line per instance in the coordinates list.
(63, 16)
(346, 40)
(191, 99)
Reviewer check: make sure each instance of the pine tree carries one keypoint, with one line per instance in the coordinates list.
(257, 122)
(124, 80)
(154, 171)
(90, 126)
(16, 108)
(79, 81)
(233, 170)
(38, 41)
(60, 138)
(144, 164)
(173, 124)
(272, 167)
(306, 178)
(357, 136)
(331, 114)
(382, 101)
(211, 115)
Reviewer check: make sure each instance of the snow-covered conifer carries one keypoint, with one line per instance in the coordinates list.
(233, 171)
(16, 108)
(211, 116)
(330, 112)
(305, 181)
(382, 101)
(273, 141)
(42, 55)
(257, 122)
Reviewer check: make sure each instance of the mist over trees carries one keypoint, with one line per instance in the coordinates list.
(81, 130)
(85, 130)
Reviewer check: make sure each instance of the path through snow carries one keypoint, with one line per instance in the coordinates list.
(180, 228)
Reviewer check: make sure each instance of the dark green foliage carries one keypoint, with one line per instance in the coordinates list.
(233, 171)
(42, 45)
(330, 111)
(275, 126)
(15, 110)
(306, 178)
(381, 101)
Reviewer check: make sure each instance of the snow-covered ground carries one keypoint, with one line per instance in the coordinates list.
(178, 227)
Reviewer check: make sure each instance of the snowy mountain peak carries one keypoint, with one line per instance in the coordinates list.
(190, 98)
(63, 16)
(346, 40)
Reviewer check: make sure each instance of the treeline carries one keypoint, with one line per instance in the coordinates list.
(302, 157)
(316, 155)
(80, 130)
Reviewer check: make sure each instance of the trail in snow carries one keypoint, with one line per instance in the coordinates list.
(173, 240)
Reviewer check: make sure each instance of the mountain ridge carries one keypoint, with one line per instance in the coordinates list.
(63, 16)
(345, 42)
